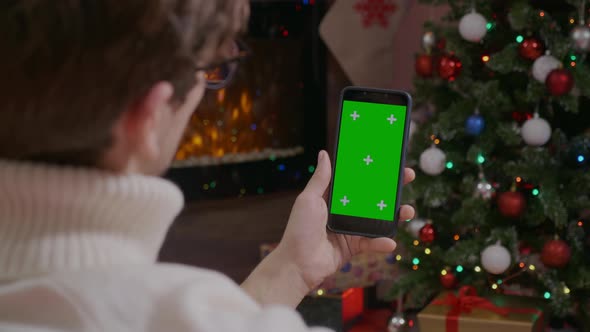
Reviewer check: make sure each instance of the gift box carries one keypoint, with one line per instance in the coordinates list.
(363, 270)
(336, 311)
(466, 311)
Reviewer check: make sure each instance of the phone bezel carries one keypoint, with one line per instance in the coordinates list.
(368, 227)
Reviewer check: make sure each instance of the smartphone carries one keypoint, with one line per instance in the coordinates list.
(369, 159)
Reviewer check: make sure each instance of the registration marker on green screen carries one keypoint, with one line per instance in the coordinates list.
(368, 160)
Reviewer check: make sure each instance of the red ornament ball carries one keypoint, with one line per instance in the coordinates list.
(531, 48)
(427, 234)
(449, 67)
(424, 65)
(559, 82)
(448, 281)
(556, 254)
(511, 204)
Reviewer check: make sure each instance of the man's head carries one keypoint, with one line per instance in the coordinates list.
(106, 83)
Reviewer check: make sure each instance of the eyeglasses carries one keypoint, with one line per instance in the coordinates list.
(220, 74)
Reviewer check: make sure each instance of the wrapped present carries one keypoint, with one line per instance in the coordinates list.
(363, 270)
(336, 311)
(465, 311)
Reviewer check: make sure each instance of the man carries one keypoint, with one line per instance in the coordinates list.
(95, 97)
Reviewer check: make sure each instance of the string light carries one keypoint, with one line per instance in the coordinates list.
(415, 267)
(580, 223)
(542, 13)
(518, 179)
(427, 251)
(547, 295)
(437, 141)
(311, 169)
(535, 192)
(573, 57)
(573, 64)
(456, 237)
(581, 159)
(477, 269)
(416, 242)
(499, 282)
(459, 268)
(450, 165)
(519, 39)
(532, 267)
(521, 265)
(415, 261)
(489, 25)
(213, 184)
(572, 20)
(566, 290)
(206, 186)
(481, 159)
(320, 292)
(398, 258)
(444, 272)
(494, 286)
(432, 137)
(485, 58)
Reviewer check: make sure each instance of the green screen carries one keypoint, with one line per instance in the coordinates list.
(368, 160)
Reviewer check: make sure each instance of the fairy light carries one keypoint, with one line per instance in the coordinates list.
(432, 137)
(416, 242)
(499, 282)
(485, 58)
(459, 268)
(535, 192)
(443, 272)
(450, 165)
(518, 179)
(416, 261)
(532, 267)
(580, 223)
(456, 237)
(581, 159)
(494, 286)
(572, 20)
(489, 25)
(481, 159)
(573, 57)
(206, 186)
(547, 295)
(519, 39)
(566, 290)
(542, 13)
(521, 265)
(320, 292)
(427, 251)
(477, 269)
(398, 258)
(415, 267)
(573, 64)
(437, 141)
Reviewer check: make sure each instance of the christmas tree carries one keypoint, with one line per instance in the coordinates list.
(503, 160)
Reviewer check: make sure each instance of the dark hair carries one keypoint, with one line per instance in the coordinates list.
(71, 68)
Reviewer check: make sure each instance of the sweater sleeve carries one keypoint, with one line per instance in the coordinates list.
(220, 305)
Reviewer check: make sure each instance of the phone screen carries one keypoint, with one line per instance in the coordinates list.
(368, 160)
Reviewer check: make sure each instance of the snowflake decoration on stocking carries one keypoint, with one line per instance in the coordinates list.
(375, 12)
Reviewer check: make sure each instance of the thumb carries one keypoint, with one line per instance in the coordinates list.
(320, 180)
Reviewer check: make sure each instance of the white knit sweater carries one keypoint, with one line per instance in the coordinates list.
(78, 253)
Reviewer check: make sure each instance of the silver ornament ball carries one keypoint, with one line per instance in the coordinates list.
(496, 259)
(473, 27)
(536, 131)
(543, 66)
(397, 323)
(432, 161)
(428, 40)
(581, 37)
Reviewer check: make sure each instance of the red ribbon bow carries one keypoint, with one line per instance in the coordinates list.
(464, 303)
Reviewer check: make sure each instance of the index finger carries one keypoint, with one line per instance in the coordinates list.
(409, 175)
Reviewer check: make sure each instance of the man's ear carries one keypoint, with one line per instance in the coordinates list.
(142, 121)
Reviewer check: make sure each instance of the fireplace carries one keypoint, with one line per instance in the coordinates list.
(263, 132)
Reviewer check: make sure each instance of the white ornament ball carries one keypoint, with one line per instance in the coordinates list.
(581, 37)
(536, 131)
(543, 66)
(472, 27)
(432, 161)
(415, 226)
(495, 259)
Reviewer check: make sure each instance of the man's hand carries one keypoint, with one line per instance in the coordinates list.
(307, 243)
(308, 252)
